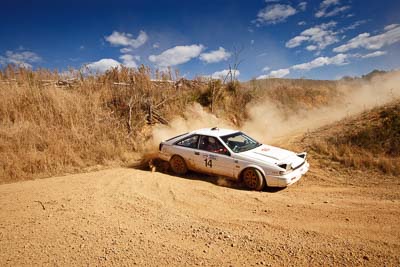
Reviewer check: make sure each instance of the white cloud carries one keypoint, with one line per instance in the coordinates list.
(391, 26)
(223, 73)
(102, 65)
(22, 58)
(301, 23)
(339, 59)
(264, 76)
(326, 5)
(215, 56)
(336, 11)
(353, 26)
(126, 50)
(296, 41)
(302, 6)
(266, 68)
(374, 54)
(176, 55)
(319, 36)
(311, 47)
(279, 73)
(126, 39)
(275, 13)
(156, 45)
(365, 40)
(128, 61)
(105, 64)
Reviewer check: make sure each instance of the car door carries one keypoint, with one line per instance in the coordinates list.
(213, 157)
(186, 148)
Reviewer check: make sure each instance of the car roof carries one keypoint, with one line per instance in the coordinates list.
(215, 131)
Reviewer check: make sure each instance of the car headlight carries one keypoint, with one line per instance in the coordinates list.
(286, 166)
(302, 155)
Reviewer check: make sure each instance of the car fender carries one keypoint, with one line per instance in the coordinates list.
(251, 166)
(167, 152)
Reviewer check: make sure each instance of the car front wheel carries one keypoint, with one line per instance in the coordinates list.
(178, 165)
(253, 179)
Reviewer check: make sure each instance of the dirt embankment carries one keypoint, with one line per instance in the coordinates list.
(47, 128)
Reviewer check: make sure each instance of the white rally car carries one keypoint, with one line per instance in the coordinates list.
(235, 155)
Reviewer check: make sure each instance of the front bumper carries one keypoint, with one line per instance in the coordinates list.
(289, 178)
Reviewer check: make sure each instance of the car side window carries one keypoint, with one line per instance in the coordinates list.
(212, 144)
(189, 142)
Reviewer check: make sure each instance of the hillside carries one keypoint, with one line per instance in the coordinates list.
(368, 141)
(51, 124)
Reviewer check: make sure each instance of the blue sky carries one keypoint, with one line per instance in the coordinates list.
(313, 39)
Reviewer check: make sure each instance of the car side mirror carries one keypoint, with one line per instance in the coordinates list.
(223, 151)
(226, 152)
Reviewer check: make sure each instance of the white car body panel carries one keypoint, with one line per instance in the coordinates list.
(265, 158)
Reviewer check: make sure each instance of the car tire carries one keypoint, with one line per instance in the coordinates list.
(178, 165)
(253, 179)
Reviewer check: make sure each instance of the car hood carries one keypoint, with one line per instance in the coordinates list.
(270, 154)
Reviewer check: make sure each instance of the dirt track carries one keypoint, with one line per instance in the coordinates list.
(127, 216)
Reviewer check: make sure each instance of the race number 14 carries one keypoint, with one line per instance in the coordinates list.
(208, 162)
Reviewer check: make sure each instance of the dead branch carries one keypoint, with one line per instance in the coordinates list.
(130, 105)
(159, 118)
(122, 84)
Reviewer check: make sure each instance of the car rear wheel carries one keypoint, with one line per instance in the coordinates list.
(178, 165)
(253, 179)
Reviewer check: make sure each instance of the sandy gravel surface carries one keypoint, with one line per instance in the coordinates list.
(125, 216)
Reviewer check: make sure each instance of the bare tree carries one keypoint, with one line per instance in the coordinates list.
(233, 68)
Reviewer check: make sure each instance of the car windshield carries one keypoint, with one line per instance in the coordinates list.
(239, 142)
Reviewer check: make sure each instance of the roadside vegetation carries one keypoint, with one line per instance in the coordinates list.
(54, 124)
(368, 141)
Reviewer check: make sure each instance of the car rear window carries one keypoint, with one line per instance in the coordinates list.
(190, 141)
(175, 137)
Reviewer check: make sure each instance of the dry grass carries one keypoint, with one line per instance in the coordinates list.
(370, 141)
(293, 95)
(47, 130)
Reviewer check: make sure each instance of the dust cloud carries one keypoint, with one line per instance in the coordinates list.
(268, 124)
(195, 117)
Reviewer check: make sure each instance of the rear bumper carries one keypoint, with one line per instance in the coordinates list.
(288, 179)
